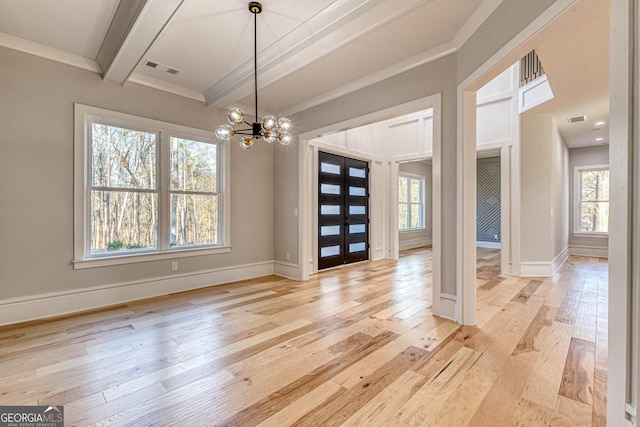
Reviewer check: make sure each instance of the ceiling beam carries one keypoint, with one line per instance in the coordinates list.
(135, 26)
(300, 46)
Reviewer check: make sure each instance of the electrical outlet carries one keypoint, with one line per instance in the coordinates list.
(174, 266)
(288, 255)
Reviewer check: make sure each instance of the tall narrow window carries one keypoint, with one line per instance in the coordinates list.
(194, 193)
(592, 213)
(124, 195)
(147, 189)
(410, 202)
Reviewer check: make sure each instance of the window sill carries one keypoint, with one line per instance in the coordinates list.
(146, 257)
(591, 235)
(412, 230)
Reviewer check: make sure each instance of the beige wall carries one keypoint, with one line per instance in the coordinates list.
(36, 178)
(544, 190)
(536, 219)
(559, 166)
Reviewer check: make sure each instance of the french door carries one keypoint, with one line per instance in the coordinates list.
(343, 210)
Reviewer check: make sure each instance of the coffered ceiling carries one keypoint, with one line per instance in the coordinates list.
(308, 50)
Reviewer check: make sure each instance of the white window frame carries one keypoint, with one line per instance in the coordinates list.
(422, 180)
(85, 115)
(577, 196)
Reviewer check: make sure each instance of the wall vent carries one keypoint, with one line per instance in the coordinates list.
(577, 119)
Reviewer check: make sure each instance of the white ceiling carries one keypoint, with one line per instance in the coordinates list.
(310, 51)
(576, 61)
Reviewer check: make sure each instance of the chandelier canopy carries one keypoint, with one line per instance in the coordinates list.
(269, 128)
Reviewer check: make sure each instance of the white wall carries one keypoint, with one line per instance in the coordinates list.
(497, 117)
(498, 130)
(36, 186)
(579, 243)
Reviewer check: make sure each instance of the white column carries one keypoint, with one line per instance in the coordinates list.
(623, 237)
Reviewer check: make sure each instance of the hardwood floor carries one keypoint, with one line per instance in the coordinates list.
(355, 346)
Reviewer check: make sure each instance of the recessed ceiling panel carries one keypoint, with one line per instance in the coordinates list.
(209, 39)
(76, 26)
(420, 29)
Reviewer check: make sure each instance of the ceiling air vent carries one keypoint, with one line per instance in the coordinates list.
(151, 64)
(172, 71)
(577, 119)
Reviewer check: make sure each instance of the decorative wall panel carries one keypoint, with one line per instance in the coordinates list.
(488, 200)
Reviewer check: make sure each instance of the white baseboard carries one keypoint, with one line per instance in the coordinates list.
(544, 269)
(536, 269)
(415, 243)
(559, 260)
(287, 270)
(23, 309)
(591, 251)
(448, 304)
(489, 245)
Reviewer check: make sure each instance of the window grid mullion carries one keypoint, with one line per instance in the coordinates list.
(164, 182)
(408, 224)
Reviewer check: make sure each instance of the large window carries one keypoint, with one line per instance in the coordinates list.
(410, 202)
(592, 199)
(146, 189)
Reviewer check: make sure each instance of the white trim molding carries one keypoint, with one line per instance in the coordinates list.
(536, 269)
(48, 52)
(590, 251)
(415, 243)
(287, 270)
(448, 304)
(535, 93)
(488, 245)
(543, 268)
(559, 260)
(23, 309)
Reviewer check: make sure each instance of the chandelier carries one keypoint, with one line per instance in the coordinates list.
(270, 129)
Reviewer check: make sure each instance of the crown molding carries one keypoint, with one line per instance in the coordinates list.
(48, 52)
(175, 89)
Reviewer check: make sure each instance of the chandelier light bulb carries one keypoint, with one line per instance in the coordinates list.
(285, 138)
(284, 124)
(246, 142)
(224, 132)
(269, 137)
(235, 116)
(269, 123)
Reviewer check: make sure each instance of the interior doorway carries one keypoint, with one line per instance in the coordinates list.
(383, 156)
